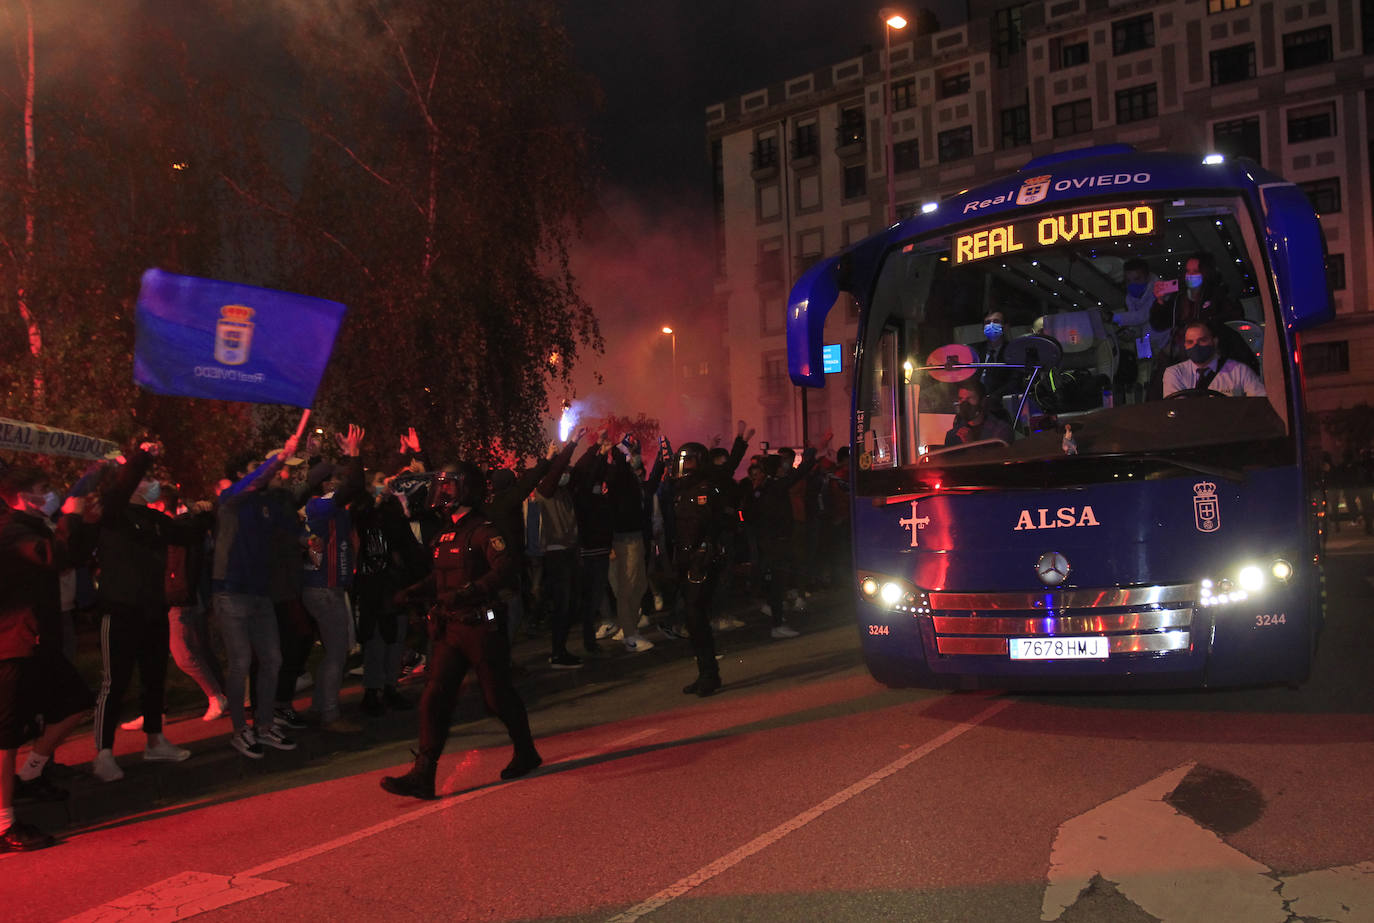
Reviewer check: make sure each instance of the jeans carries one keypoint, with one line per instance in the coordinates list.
(328, 606)
(249, 627)
(190, 643)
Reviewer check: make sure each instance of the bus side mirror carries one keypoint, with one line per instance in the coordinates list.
(1298, 257)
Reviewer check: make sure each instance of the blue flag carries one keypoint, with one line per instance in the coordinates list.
(204, 338)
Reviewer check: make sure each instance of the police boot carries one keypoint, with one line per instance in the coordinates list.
(526, 761)
(418, 783)
(705, 684)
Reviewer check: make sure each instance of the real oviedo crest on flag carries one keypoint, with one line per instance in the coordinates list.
(205, 338)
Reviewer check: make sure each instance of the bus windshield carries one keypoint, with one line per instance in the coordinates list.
(1071, 334)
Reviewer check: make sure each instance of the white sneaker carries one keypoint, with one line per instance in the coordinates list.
(766, 610)
(304, 682)
(105, 767)
(638, 644)
(133, 724)
(643, 621)
(161, 750)
(215, 709)
(605, 630)
(730, 623)
(619, 635)
(784, 631)
(658, 602)
(799, 604)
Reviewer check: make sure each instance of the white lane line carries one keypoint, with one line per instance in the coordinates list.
(613, 745)
(760, 843)
(192, 893)
(186, 895)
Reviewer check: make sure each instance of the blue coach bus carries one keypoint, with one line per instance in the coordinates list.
(1102, 534)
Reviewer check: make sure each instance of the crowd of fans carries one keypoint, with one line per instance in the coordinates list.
(238, 588)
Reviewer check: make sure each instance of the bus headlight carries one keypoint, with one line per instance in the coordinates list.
(1250, 579)
(890, 593)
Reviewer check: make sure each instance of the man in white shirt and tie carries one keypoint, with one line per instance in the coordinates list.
(1204, 369)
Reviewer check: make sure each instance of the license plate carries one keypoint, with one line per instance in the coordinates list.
(1089, 648)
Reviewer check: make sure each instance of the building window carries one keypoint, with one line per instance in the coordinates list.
(774, 367)
(1073, 118)
(805, 140)
(1015, 127)
(1306, 48)
(954, 84)
(1238, 138)
(1335, 272)
(1136, 103)
(773, 318)
(956, 144)
(851, 130)
(765, 152)
(855, 181)
(1230, 65)
(1324, 194)
(903, 95)
(906, 156)
(1312, 122)
(1326, 358)
(1222, 6)
(1008, 33)
(1135, 34)
(1074, 54)
(770, 265)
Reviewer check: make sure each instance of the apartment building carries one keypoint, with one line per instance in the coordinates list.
(799, 168)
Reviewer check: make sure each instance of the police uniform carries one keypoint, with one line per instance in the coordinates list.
(701, 514)
(467, 628)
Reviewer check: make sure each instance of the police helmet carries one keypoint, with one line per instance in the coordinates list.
(690, 457)
(461, 484)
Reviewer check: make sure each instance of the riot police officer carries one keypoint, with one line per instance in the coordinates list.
(701, 514)
(467, 627)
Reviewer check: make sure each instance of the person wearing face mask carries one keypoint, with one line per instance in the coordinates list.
(35, 678)
(997, 382)
(1202, 297)
(1135, 321)
(559, 541)
(974, 423)
(132, 550)
(1205, 369)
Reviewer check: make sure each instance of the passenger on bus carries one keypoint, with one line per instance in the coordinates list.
(997, 382)
(1206, 369)
(975, 423)
(1202, 296)
(1141, 339)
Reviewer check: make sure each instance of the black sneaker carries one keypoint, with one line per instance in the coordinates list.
(39, 789)
(273, 737)
(23, 838)
(522, 765)
(564, 661)
(246, 742)
(704, 685)
(372, 705)
(287, 717)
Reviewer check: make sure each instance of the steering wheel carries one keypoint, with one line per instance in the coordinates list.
(1195, 392)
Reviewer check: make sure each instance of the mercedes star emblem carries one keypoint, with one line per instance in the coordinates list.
(1052, 568)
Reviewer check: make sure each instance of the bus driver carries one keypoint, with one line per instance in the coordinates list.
(1205, 369)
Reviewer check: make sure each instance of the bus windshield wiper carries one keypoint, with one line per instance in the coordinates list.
(1230, 474)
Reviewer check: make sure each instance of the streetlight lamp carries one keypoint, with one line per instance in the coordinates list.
(891, 20)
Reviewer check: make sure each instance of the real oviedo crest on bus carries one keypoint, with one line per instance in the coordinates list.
(206, 338)
(1206, 507)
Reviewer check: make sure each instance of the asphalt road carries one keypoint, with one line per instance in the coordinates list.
(802, 791)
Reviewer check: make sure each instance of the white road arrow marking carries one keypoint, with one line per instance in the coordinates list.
(1160, 860)
(1180, 872)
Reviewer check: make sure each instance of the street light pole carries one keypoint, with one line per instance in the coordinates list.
(676, 397)
(891, 20)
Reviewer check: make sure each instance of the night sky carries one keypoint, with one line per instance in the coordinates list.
(662, 62)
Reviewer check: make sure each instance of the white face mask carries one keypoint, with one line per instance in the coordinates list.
(564, 479)
(152, 490)
(51, 503)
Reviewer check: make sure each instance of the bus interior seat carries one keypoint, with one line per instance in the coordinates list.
(1251, 331)
(1083, 337)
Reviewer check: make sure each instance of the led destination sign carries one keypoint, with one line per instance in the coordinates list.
(1052, 230)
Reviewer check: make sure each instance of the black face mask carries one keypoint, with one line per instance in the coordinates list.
(1202, 353)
